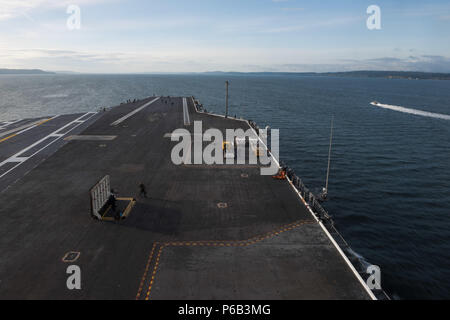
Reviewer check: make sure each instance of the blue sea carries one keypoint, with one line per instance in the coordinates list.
(389, 191)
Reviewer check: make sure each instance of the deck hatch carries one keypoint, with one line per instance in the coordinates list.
(71, 256)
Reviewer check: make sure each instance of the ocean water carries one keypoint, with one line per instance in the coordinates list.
(390, 174)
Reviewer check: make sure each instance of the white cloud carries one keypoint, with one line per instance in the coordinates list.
(163, 59)
(196, 59)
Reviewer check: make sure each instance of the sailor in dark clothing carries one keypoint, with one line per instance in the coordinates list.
(112, 203)
(143, 190)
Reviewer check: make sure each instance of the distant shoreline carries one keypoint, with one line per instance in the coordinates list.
(406, 75)
(24, 71)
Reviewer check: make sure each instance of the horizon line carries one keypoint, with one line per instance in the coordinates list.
(219, 71)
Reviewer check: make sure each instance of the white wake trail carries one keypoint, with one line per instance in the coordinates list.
(412, 111)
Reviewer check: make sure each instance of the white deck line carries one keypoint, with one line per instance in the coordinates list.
(21, 129)
(35, 125)
(125, 117)
(16, 159)
(187, 121)
(21, 160)
(12, 122)
(336, 245)
(5, 124)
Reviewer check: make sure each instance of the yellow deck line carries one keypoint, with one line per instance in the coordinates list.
(130, 206)
(15, 134)
(106, 211)
(11, 136)
(43, 121)
(126, 212)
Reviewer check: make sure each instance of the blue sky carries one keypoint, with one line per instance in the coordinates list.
(118, 36)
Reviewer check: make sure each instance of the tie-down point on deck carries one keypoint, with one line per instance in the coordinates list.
(105, 206)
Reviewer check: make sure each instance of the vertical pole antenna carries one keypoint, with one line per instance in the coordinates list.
(226, 100)
(329, 154)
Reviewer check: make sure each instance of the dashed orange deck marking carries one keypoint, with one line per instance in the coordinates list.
(141, 286)
(210, 243)
(155, 269)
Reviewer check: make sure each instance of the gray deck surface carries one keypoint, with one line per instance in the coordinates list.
(177, 243)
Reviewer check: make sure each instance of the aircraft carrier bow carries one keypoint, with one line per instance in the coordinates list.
(201, 232)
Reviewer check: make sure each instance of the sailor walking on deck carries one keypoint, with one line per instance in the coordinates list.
(143, 190)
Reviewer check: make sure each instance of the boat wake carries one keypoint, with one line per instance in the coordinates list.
(412, 111)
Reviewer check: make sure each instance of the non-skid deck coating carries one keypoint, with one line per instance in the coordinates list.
(177, 243)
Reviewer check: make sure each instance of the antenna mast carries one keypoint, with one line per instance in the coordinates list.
(226, 101)
(329, 156)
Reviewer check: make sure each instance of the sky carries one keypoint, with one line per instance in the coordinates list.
(118, 36)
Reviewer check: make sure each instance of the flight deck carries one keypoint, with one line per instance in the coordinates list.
(202, 232)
